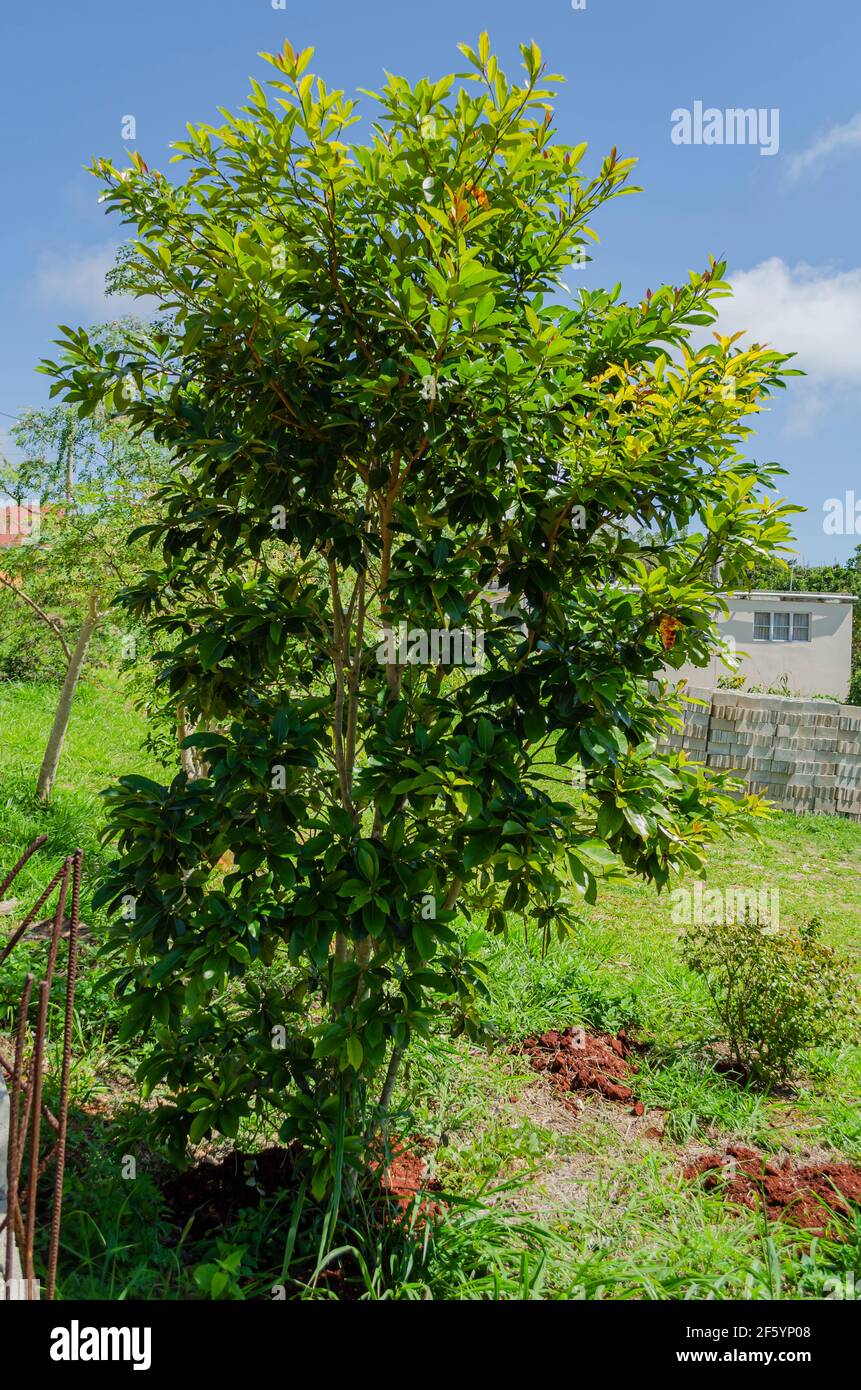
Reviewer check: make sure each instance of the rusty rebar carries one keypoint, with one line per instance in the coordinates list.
(32, 1186)
(28, 920)
(9, 1068)
(58, 922)
(65, 1073)
(27, 1107)
(13, 874)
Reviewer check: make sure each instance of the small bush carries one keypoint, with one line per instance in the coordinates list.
(775, 992)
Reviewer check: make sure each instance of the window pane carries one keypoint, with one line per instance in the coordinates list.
(801, 627)
(780, 627)
(761, 626)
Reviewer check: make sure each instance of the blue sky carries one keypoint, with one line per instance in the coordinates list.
(788, 223)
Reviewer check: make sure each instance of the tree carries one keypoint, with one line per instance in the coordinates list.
(392, 423)
(67, 573)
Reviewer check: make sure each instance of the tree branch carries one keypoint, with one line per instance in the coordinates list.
(40, 612)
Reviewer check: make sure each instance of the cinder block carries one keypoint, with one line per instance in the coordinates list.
(720, 761)
(802, 755)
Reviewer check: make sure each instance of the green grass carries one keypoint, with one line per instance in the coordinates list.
(541, 1204)
(104, 741)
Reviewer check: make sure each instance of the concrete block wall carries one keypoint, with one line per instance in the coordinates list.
(804, 755)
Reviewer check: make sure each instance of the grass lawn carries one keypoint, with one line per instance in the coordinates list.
(543, 1200)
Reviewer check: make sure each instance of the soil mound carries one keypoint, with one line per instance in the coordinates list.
(802, 1193)
(574, 1060)
(403, 1177)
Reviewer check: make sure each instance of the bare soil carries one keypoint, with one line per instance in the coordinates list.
(210, 1193)
(807, 1194)
(574, 1060)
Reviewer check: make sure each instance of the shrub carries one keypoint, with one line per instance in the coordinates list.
(775, 992)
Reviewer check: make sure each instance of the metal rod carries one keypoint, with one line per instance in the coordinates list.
(32, 1186)
(27, 1107)
(58, 922)
(13, 874)
(71, 978)
(13, 940)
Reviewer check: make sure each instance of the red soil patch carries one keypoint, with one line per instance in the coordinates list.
(404, 1177)
(574, 1060)
(802, 1193)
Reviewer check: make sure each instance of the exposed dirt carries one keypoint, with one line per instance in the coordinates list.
(803, 1193)
(210, 1193)
(403, 1177)
(574, 1060)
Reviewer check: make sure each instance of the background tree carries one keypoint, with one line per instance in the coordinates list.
(384, 407)
(91, 479)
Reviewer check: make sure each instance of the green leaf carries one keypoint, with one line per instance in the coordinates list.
(485, 735)
(367, 862)
(424, 940)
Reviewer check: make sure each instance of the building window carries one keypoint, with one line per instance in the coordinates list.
(781, 627)
(801, 627)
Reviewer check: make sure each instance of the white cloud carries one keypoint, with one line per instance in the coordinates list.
(839, 137)
(74, 280)
(812, 311)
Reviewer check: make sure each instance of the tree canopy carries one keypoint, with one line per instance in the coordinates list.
(388, 411)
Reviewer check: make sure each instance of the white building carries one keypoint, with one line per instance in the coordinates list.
(801, 640)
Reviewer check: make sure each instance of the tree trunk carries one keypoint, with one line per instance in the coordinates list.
(391, 1077)
(70, 466)
(187, 756)
(56, 739)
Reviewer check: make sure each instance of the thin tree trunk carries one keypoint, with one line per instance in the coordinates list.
(70, 466)
(391, 1077)
(186, 755)
(56, 739)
